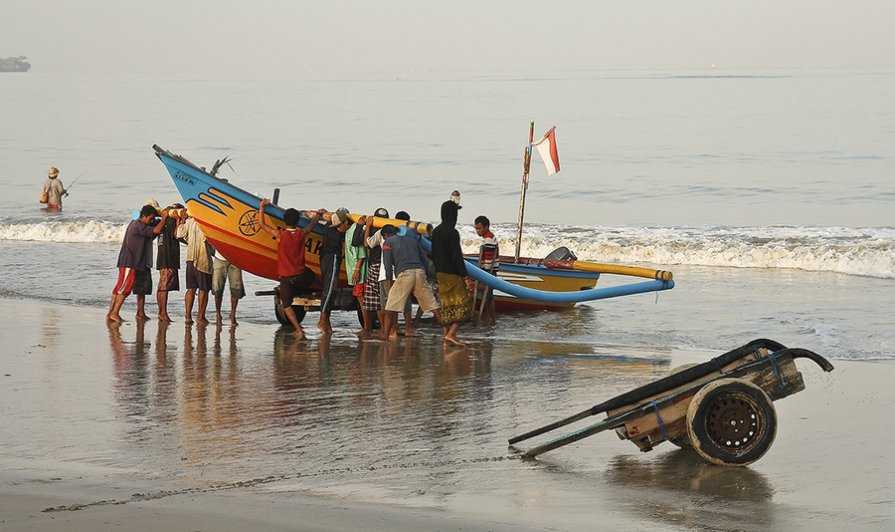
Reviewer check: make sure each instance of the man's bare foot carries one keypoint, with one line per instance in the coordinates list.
(233, 320)
(411, 333)
(188, 320)
(115, 319)
(201, 320)
(142, 317)
(450, 340)
(164, 317)
(362, 333)
(299, 334)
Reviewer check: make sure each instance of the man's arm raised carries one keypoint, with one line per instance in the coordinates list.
(269, 229)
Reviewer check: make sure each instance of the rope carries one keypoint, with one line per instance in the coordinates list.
(655, 406)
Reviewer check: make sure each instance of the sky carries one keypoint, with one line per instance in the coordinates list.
(216, 36)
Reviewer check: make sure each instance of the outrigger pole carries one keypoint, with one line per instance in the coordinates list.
(526, 165)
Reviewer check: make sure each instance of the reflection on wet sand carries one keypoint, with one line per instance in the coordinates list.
(214, 406)
(686, 490)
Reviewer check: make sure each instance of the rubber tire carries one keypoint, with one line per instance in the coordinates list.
(682, 441)
(709, 404)
(281, 315)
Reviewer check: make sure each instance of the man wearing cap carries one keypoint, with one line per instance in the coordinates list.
(53, 189)
(199, 265)
(143, 277)
(168, 261)
(331, 253)
(131, 257)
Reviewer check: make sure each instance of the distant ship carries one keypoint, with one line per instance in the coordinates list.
(15, 64)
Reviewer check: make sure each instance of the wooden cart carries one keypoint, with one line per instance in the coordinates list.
(723, 408)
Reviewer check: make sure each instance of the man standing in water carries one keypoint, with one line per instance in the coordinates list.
(168, 261)
(226, 272)
(489, 260)
(143, 277)
(198, 266)
(405, 271)
(131, 257)
(291, 269)
(331, 254)
(450, 270)
(53, 189)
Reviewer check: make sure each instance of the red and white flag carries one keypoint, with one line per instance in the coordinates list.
(547, 148)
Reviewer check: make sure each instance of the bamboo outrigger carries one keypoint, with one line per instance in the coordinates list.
(722, 408)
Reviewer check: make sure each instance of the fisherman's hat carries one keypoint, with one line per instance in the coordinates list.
(381, 213)
(339, 217)
(53, 172)
(154, 203)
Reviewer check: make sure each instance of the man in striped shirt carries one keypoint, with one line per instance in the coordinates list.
(489, 261)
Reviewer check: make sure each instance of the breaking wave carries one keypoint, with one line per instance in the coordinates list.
(83, 231)
(868, 252)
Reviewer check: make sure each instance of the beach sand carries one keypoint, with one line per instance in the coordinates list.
(111, 428)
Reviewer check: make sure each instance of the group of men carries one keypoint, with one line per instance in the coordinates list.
(205, 273)
(385, 268)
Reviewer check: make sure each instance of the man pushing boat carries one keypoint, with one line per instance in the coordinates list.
(291, 269)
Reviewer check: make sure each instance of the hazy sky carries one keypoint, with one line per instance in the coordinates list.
(405, 35)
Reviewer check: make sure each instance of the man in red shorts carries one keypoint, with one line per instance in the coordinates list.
(132, 256)
(291, 257)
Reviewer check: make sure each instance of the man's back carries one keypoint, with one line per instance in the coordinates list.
(401, 253)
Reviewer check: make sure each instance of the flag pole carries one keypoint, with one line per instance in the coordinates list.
(526, 166)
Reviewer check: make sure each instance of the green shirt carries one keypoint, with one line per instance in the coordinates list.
(354, 254)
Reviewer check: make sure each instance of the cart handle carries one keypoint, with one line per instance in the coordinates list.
(797, 352)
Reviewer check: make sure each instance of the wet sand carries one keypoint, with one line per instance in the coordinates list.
(159, 427)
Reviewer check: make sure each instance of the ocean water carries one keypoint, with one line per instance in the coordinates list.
(767, 193)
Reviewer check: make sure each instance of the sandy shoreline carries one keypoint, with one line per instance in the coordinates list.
(68, 385)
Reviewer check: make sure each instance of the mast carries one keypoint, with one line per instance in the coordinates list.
(526, 165)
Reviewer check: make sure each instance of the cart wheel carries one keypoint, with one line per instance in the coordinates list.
(682, 441)
(281, 315)
(731, 422)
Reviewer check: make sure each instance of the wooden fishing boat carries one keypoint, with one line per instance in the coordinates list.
(228, 216)
(722, 408)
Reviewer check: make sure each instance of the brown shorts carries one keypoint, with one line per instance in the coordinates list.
(196, 279)
(142, 282)
(411, 282)
(168, 280)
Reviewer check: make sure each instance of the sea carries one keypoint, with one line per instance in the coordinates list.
(768, 194)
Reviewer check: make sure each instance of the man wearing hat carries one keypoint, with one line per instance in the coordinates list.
(331, 253)
(53, 190)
